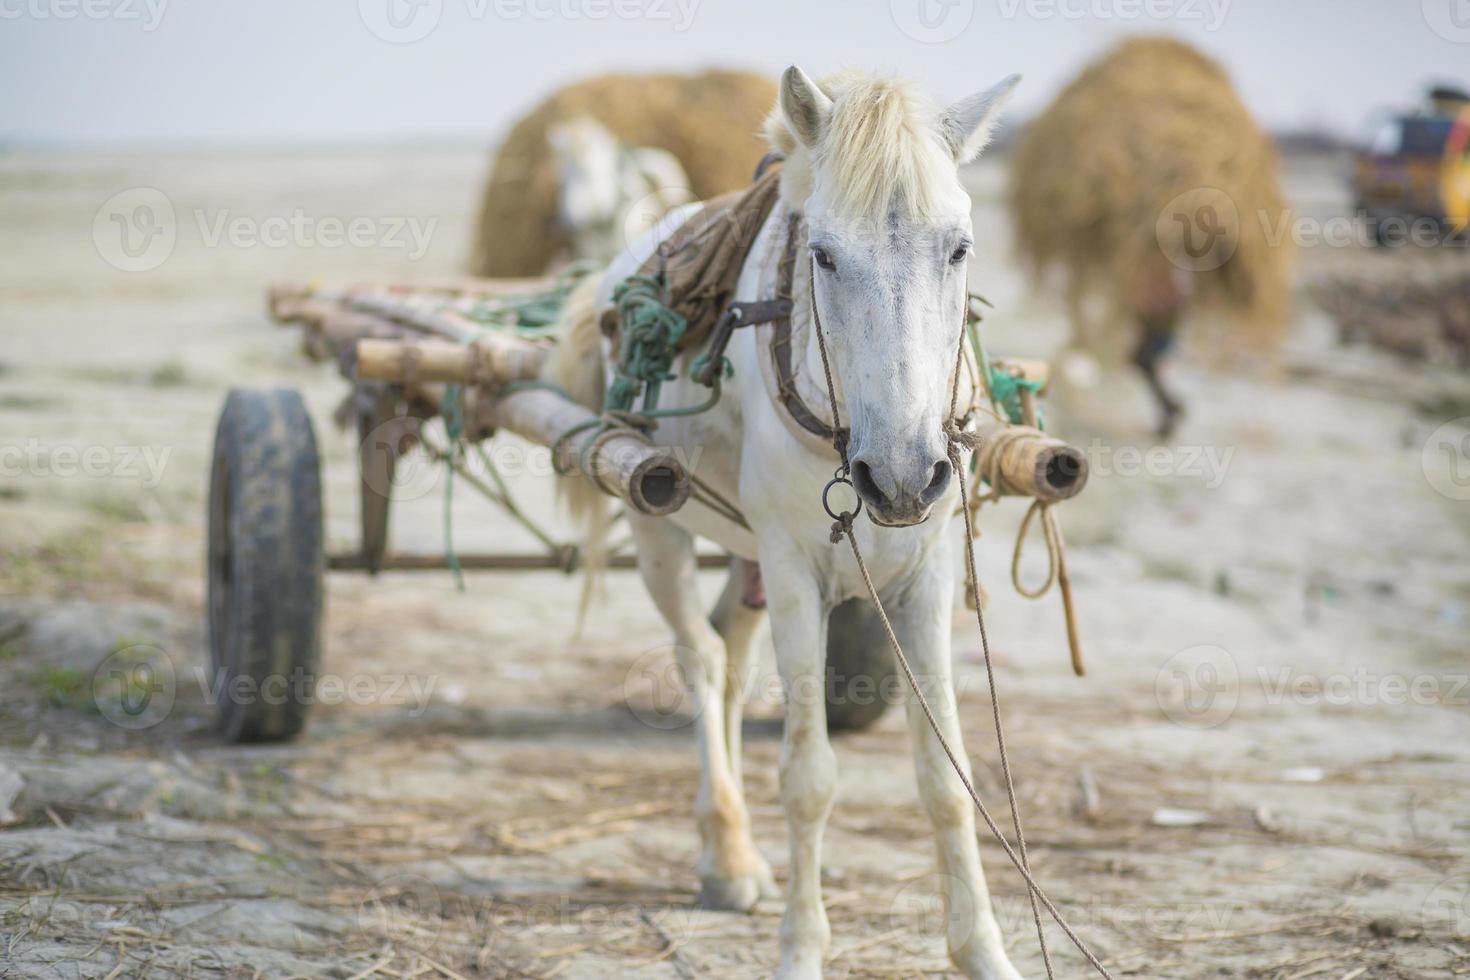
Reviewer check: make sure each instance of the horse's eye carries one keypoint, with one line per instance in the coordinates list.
(823, 259)
(959, 255)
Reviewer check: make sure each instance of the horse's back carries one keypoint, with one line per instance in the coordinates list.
(641, 249)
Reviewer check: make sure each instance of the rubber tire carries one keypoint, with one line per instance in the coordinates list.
(265, 563)
(861, 670)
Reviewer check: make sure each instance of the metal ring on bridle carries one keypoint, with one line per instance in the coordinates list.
(827, 490)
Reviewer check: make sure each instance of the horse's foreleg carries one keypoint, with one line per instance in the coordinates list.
(808, 765)
(922, 623)
(732, 874)
(738, 621)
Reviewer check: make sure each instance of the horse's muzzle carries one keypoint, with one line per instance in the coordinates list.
(899, 497)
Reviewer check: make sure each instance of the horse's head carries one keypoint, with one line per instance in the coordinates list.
(588, 174)
(875, 170)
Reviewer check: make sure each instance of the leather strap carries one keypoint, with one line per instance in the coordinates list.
(738, 314)
(782, 356)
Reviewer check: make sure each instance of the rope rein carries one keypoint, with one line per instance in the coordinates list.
(988, 466)
(842, 525)
(451, 407)
(651, 331)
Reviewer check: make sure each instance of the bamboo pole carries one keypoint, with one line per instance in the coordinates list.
(468, 287)
(646, 478)
(491, 359)
(649, 480)
(354, 562)
(412, 313)
(1030, 464)
(415, 313)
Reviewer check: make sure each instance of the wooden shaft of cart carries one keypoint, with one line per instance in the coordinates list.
(1030, 464)
(619, 461)
(652, 481)
(649, 479)
(490, 360)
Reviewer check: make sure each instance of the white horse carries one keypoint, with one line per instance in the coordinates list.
(608, 193)
(871, 169)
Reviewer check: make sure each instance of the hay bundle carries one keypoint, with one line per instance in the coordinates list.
(1147, 182)
(710, 122)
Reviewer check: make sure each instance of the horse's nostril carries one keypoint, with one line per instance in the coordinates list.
(938, 484)
(866, 486)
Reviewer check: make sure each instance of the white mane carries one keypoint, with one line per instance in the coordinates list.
(882, 148)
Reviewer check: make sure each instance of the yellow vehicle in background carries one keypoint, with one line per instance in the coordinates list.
(1418, 168)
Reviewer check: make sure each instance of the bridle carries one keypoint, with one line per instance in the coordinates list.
(842, 526)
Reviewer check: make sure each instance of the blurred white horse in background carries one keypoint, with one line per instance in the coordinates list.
(609, 194)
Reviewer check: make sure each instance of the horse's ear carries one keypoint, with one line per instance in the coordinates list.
(970, 121)
(805, 106)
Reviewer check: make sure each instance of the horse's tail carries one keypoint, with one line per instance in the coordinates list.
(576, 367)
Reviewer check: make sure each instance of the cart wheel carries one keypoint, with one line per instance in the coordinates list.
(265, 564)
(860, 667)
(378, 449)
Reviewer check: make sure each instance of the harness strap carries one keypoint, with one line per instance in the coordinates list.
(783, 358)
(737, 314)
(842, 526)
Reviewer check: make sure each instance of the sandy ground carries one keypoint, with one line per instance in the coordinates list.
(1274, 609)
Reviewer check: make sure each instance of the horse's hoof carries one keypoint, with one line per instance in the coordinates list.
(765, 881)
(731, 894)
(800, 965)
(987, 967)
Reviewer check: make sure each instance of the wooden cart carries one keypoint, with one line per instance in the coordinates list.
(266, 552)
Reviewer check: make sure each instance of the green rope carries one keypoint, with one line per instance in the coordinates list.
(649, 335)
(648, 343)
(1004, 388)
(697, 368)
(507, 501)
(531, 315)
(453, 411)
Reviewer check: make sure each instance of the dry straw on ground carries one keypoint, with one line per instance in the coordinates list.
(1145, 164)
(709, 121)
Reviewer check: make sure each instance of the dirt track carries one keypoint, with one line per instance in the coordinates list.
(1274, 610)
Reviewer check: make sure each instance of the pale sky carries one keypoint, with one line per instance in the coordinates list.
(128, 71)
